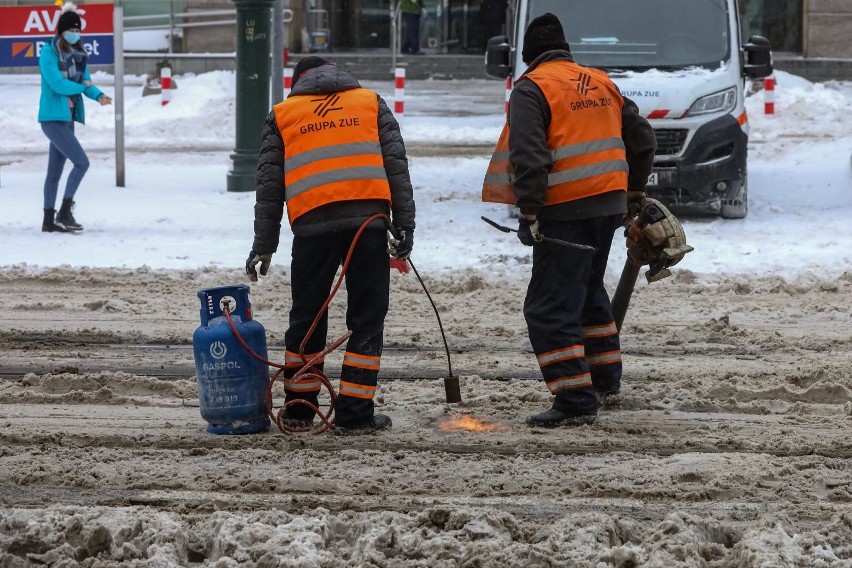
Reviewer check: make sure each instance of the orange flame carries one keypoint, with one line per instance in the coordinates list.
(466, 422)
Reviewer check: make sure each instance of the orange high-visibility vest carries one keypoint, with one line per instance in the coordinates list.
(584, 137)
(331, 150)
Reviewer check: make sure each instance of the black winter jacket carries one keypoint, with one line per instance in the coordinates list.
(337, 216)
(529, 120)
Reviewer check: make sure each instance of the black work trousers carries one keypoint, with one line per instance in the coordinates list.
(314, 266)
(569, 316)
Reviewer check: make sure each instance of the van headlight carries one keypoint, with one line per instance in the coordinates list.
(722, 101)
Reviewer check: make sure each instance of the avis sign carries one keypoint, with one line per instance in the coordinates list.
(25, 30)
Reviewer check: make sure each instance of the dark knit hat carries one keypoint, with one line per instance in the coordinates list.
(68, 20)
(543, 34)
(305, 65)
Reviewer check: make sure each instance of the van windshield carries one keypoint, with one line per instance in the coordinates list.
(642, 34)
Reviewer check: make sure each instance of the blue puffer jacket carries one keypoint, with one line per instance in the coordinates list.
(55, 89)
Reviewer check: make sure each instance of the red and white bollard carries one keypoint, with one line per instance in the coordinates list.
(399, 91)
(769, 95)
(166, 84)
(508, 92)
(288, 80)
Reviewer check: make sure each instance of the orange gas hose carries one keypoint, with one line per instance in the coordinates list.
(308, 372)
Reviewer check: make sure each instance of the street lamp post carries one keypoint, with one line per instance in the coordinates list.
(253, 72)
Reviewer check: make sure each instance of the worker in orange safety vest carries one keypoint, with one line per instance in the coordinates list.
(571, 152)
(333, 152)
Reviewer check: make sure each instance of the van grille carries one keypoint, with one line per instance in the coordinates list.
(670, 140)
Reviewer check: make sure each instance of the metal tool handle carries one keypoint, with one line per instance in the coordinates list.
(623, 292)
(543, 238)
(497, 226)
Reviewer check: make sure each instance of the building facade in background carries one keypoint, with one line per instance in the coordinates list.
(812, 28)
(809, 28)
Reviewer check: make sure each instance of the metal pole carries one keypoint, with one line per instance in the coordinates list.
(118, 101)
(443, 6)
(464, 25)
(171, 24)
(252, 96)
(394, 34)
(278, 52)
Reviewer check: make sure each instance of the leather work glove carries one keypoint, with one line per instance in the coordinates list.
(656, 238)
(634, 203)
(402, 245)
(528, 232)
(252, 261)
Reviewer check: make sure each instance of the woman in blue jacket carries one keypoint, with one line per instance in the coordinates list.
(64, 77)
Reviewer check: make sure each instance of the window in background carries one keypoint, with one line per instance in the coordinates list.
(778, 20)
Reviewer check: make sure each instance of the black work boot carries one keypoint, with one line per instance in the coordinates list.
(553, 417)
(608, 398)
(297, 423)
(375, 423)
(298, 419)
(48, 225)
(65, 218)
(300, 415)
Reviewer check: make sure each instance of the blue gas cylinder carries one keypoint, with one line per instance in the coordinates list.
(231, 382)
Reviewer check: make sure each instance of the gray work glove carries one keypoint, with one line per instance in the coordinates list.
(403, 244)
(528, 232)
(634, 203)
(251, 263)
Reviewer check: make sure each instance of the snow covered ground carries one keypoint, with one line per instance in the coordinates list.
(728, 446)
(174, 211)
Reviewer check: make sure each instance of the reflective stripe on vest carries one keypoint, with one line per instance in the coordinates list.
(584, 137)
(332, 150)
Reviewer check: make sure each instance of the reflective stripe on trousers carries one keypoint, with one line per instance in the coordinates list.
(293, 362)
(356, 390)
(315, 262)
(565, 295)
(360, 361)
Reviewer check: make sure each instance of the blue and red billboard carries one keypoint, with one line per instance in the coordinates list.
(24, 30)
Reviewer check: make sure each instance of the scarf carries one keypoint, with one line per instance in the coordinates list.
(72, 64)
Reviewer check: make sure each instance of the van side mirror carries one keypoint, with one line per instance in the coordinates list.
(497, 57)
(758, 54)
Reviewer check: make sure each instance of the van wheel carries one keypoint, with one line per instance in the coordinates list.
(736, 207)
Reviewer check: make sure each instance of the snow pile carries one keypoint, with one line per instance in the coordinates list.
(175, 212)
(436, 537)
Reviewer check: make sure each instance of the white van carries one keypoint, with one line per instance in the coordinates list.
(683, 63)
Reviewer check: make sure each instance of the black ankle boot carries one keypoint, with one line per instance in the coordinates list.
(65, 218)
(375, 423)
(48, 226)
